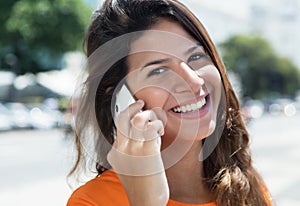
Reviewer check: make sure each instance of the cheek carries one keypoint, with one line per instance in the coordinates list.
(214, 79)
(214, 85)
(153, 97)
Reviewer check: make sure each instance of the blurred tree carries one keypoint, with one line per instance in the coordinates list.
(262, 72)
(34, 34)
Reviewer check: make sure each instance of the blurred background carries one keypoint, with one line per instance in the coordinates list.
(41, 59)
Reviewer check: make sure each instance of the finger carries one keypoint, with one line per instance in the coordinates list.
(150, 132)
(134, 108)
(123, 121)
(141, 119)
(161, 114)
(154, 129)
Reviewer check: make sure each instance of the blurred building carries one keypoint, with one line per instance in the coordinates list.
(276, 20)
(25, 88)
(44, 85)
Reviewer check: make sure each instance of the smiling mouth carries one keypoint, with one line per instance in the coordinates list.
(191, 107)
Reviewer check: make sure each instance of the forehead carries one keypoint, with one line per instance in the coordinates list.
(164, 36)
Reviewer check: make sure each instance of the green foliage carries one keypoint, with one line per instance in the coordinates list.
(263, 73)
(37, 32)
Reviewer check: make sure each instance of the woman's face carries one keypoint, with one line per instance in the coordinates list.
(177, 79)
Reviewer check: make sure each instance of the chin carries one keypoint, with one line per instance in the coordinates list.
(202, 134)
(189, 133)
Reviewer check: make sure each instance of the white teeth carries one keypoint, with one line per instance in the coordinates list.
(190, 107)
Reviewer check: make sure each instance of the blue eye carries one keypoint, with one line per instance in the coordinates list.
(156, 71)
(196, 56)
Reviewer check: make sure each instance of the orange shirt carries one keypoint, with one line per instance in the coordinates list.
(107, 190)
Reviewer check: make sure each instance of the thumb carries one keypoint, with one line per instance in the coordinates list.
(161, 115)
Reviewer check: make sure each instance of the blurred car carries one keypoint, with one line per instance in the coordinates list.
(297, 105)
(254, 108)
(44, 118)
(20, 115)
(284, 106)
(5, 119)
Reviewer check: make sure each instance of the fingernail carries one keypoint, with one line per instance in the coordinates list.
(140, 101)
(161, 133)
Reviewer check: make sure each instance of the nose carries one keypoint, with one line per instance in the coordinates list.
(188, 81)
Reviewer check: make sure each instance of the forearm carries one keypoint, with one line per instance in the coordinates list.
(135, 157)
(150, 190)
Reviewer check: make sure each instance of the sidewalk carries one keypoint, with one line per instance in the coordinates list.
(50, 192)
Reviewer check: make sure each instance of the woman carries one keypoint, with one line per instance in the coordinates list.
(183, 142)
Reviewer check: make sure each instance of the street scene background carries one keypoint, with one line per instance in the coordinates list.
(34, 164)
(257, 39)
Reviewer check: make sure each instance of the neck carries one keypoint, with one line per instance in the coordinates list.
(185, 178)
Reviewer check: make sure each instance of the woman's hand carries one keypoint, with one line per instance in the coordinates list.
(135, 156)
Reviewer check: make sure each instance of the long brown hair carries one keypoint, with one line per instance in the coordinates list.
(228, 170)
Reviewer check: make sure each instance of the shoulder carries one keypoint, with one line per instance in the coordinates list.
(103, 190)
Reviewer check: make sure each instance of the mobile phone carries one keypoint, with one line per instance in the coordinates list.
(123, 99)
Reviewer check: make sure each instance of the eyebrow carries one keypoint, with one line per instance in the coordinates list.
(159, 61)
(193, 48)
